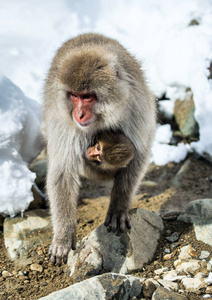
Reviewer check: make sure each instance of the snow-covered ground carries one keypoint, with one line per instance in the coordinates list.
(175, 56)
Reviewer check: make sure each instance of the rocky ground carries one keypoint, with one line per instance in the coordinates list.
(166, 189)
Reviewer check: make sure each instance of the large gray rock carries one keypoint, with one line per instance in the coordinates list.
(199, 213)
(121, 252)
(106, 286)
(21, 234)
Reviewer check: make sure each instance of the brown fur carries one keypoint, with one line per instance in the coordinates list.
(116, 151)
(124, 103)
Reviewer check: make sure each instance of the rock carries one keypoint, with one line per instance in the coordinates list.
(167, 256)
(181, 174)
(204, 254)
(173, 237)
(184, 115)
(149, 183)
(120, 252)
(172, 276)
(199, 212)
(209, 289)
(149, 286)
(161, 271)
(106, 286)
(6, 274)
(36, 267)
(200, 275)
(22, 234)
(169, 285)
(193, 284)
(192, 266)
(164, 294)
(187, 252)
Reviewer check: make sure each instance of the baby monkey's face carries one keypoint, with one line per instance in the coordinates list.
(94, 153)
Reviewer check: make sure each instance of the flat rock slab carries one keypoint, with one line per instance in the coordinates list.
(21, 234)
(103, 287)
(199, 213)
(164, 294)
(103, 251)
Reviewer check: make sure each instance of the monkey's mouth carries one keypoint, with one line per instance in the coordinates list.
(86, 123)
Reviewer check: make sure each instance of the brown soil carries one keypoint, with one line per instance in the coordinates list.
(91, 212)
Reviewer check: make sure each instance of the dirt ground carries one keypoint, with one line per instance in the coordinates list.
(164, 197)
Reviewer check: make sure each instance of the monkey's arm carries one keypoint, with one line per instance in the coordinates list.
(62, 191)
(124, 188)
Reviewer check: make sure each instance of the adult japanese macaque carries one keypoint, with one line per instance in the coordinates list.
(94, 85)
(111, 151)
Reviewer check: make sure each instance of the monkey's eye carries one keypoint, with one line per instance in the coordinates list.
(98, 147)
(87, 97)
(73, 95)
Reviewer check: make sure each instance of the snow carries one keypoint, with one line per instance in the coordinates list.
(20, 142)
(174, 56)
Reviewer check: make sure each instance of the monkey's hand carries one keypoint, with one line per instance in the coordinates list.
(118, 220)
(59, 249)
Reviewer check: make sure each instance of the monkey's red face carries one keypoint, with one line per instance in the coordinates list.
(83, 107)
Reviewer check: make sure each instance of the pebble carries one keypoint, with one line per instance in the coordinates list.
(193, 284)
(149, 286)
(187, 252)
(191, 266)
(173, 276)
(209, 290)
(167, 250)
(167, 256)
(200, 275)
(169, 285)
(173, 237)
(161, 271)
(36, 267)
(6, 274)
(204, 254)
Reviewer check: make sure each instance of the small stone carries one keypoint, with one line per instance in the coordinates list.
(191, 266)
(193, 284)
(173, 276)
(20, 273)
(36, 267)
(200, 275)
(187, 252)
(6, 274)
(204, 254)
(169, 285)
(209, 289)
(209, 267)
(207, 296)
(149, 286)
(167, 256)
(26, 281)
(162, 293)
(167, 250)
(173, 237)
(149, 183)
(161, 271)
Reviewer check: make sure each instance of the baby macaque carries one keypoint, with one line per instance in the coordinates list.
(111, 151)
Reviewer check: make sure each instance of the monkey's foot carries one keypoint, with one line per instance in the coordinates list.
(117, 221)
(58, 251)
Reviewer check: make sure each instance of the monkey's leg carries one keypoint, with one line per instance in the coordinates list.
(62, 191)
(124, 188)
